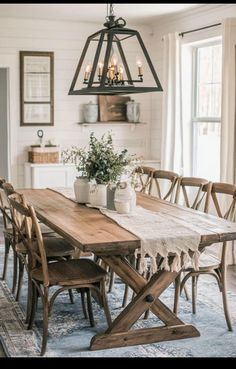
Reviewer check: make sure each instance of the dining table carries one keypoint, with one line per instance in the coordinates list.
(89, 230)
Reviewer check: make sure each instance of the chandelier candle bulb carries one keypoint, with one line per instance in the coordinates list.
(140, 71)
(100, 68)
(87, 72)
(121, 73)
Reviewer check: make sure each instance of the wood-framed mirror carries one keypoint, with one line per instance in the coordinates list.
(36, 88)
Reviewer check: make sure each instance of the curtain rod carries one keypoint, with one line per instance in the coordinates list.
(199, 29)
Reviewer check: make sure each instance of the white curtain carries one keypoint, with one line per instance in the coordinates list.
(228, 102)
(228, 128)
(172, 125)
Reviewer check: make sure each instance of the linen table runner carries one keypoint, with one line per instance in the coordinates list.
(161, 235)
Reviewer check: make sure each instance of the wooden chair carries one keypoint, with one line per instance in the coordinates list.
(56, 248)
(164, 182)
(193, 191)
(208, 264)
(7, 227)
(80, 274)
(144, 177)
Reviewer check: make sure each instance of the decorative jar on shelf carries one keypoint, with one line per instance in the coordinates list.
(133, 111)
(81, 189)
(91, 112)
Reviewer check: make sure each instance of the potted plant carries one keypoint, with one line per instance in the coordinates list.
(101, 165)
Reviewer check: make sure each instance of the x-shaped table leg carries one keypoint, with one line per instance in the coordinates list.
(119, 333)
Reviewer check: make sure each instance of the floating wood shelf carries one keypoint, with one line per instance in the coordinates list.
(132, 125)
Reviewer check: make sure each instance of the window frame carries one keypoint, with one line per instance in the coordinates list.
(194, 119)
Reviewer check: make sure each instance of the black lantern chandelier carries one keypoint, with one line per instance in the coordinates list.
(110, 73)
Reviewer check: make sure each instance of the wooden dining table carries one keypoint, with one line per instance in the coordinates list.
(91, 231)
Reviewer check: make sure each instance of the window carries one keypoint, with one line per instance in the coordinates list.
(206, 117)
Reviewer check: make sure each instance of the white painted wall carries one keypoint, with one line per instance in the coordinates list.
(3, 123)
(185, 21)
(66, 40)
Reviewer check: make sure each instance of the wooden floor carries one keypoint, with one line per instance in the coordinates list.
(231, 280)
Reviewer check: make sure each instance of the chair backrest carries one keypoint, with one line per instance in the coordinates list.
(221, 200)
(193, 190)
(8, 188)
(27, 227)
(222, 197)
(5, 189)
(144, 177)
(164, 182)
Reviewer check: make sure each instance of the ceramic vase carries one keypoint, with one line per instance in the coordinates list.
(81, 189)
(98, 195)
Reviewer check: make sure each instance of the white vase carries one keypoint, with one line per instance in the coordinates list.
(81, 189)
(98, 195)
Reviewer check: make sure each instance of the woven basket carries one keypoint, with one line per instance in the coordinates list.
(43, 157)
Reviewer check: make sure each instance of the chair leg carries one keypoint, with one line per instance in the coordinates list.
(111, 281)
(104, 303)
(146, 314)
(71, 296)
(186, 293)
(225, 301)
(45, 321)
(177, 293)
(20, 278)
(126, 294)
(194, 293)
(82, 293)
(14, 283)
(90, 310)
(7, 249)
(33, 306)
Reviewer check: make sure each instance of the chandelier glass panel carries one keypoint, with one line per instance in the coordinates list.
(114, 61)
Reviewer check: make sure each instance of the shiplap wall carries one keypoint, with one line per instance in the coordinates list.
(66, 40)
(184, 21)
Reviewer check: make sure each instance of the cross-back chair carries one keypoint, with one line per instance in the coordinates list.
(7, 226)
(56, 248)
(144, 177)
(193, 191)
(162, 184)
(66, 274)
(210, 264)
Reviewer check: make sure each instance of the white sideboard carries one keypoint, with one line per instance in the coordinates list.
(49, 175)
(154, 163)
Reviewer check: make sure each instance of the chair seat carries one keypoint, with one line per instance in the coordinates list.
(207, 262)
(55, 247)
(71, 272)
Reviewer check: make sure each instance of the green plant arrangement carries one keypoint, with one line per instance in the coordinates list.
(100, 162)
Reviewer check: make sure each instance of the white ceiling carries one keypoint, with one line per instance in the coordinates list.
(134, 13)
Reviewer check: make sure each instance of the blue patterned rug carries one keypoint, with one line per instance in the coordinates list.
(70, 333)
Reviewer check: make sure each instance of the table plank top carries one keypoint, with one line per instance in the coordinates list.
(90, 230)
